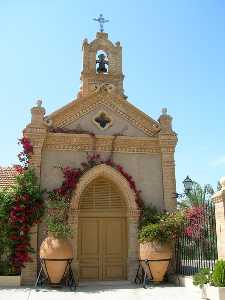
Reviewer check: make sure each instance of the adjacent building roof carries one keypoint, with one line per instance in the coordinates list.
(7, 176)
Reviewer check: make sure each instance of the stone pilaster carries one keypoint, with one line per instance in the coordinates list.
(133, 249)
(36, 132)
(168, 141)
(219, 200)
(73, 221)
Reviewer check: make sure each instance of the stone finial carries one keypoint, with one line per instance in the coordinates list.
(164, 111)
(85, 44)
(222, 182)
(37, 113)
(165, 121)
(219, 196)
(39, 103)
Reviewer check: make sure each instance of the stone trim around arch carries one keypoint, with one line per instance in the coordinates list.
(111, 174)
(132, 213)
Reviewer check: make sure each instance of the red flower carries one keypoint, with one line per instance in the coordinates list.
(19, 169)
(26, 197)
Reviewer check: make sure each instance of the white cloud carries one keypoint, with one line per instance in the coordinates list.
(218, 162)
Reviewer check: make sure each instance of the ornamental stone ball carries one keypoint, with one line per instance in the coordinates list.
(222, 182)
(164, 111)
(39, 103)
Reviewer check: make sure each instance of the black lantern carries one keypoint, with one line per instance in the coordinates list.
(187, 185)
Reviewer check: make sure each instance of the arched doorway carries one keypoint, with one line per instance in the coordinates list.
(104, 215)
(102, 233)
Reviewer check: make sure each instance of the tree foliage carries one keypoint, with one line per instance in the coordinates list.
(198, 196)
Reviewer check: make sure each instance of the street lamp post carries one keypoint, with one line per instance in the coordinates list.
(188, 183)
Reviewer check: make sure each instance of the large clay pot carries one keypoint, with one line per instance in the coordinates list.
(53, 248)
(154, 250)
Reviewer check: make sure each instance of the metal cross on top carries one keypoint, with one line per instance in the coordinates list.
(101, 21)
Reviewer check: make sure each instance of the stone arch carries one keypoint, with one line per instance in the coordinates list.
(114, 176)
(106, 44)
(132, 213)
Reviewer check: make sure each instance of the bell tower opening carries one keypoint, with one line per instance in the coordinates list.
(102, 62)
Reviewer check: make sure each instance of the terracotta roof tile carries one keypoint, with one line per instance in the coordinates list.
(7, 176)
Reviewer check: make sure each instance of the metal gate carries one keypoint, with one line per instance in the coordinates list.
(196, 248)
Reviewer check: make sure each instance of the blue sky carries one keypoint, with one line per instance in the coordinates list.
(173, 56)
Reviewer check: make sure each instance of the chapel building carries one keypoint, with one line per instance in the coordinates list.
(101, 121)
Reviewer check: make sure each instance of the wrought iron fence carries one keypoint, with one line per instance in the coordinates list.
(196, 248)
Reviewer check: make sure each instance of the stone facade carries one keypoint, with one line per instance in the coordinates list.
(219, 200)
(143, 146)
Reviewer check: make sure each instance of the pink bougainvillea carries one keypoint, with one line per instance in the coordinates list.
(72, 175)
(27, 208)
(25, 155)
(195, 222)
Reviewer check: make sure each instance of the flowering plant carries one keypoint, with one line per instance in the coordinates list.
(26, 211)
(59, 203)
(195, 222)
(22, 208)
(59, 199)
(160, 227)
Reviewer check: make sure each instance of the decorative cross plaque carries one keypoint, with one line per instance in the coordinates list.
(102, 120)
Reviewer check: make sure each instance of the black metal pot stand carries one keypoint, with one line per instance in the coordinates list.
(67, 280)
(144, 273)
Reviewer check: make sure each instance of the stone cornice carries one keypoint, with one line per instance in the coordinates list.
(168, 141)
(100, 76)
(34, 130)
(85, 142)
(219, 196)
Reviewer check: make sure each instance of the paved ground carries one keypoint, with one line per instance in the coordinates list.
(106, 292)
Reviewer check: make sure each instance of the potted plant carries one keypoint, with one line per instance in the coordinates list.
(157, 232)
(212, 283)
(57, 246)
(217, 289)
(8, 277)
(202, 279)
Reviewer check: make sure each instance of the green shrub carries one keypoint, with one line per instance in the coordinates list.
(160, 227)
(57, 217)
(6, 245)
(6, 269)
(58, 229)
(202, 277)
(218, 275)
(149, 215)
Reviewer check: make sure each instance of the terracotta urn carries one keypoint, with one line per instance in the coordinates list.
(155, 251)
(54, 248)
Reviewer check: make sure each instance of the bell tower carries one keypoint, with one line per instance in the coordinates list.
(102, 63)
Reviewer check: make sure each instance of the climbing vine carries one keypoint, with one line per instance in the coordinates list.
(72, 176)
(26, 210)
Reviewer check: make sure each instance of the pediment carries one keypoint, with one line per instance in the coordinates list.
(103, 99)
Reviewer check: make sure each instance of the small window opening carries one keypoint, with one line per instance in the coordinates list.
(102, 120)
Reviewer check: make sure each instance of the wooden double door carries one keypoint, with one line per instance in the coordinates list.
(102, 248)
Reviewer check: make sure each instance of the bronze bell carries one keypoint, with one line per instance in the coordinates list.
(102, 62)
